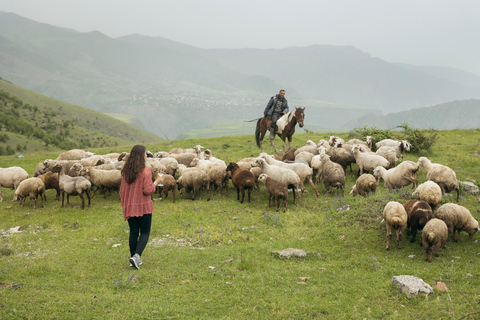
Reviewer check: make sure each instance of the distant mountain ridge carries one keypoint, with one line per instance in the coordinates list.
(170, 88)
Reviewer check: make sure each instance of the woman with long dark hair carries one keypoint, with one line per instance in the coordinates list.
(135, 194)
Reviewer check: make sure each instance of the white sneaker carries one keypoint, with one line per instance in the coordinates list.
(135, 261)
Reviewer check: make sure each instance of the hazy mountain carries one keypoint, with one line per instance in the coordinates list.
(170, 88)
(451, 115)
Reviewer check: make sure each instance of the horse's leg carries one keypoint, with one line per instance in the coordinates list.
(289, 143)
(283, 139)
(273, 145)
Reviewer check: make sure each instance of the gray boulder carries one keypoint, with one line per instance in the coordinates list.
(469, 187)
(289, 253)
(411, 286)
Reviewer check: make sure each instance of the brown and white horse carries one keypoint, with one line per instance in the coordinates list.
(285, 128)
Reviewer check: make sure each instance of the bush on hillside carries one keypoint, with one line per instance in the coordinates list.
(421, 141)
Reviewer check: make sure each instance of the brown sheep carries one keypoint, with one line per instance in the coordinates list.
(50, 180)
(276, 190)
(365, 184)
(242, 180)
(168, 183)
(419, 213)
(434, 235)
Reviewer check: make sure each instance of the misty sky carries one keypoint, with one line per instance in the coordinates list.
(421, 32)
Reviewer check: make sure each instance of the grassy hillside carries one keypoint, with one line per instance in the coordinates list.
(31, 121)
(212, 259)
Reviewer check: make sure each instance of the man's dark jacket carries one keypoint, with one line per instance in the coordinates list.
(270, 108)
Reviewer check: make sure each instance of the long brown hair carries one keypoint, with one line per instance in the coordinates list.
(134, 164)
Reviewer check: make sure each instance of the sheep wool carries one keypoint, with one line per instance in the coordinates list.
(434, 236)
(396, 219)
(364, 185)
(457, 218)
(31, 187)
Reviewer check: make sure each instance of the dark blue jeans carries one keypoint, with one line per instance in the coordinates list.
(275, 116)
(139, 233)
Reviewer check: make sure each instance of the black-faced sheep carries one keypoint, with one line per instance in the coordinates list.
(396, 219)
(75, 186)
(442, 175)
(31, 187)
(11, 178)
(276, 190)
(400, 176)
(364, 185)
(400, 146)
(332, 174)
(242, 180)
(457, 218)
(434, 235)
(419, 213)
(429, 192)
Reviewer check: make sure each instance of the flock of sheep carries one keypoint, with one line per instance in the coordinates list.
(77, 172)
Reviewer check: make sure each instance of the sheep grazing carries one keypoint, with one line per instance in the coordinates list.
(289, 156)
(341, 156)
(434, 235)
(105, 180)
(193, 180)
(309, 146)
(396, 219)
(442, 175)
(287, 176)
(332, 174)
(31, 187)
(400, 176)
(302, 170)
(217, 176)
(11, 178)
(388, 153)
(400, 146)
(276, 190)
(457, 218)
(419, 213)
(167, 183)
(368, 161)
(75, 186)
(368, 142)
(364, 185)
(50, 180)
(242, 180)
(429, 192)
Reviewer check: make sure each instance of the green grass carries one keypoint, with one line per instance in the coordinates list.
(212, 260)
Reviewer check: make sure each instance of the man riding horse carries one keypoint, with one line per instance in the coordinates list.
(276, 107)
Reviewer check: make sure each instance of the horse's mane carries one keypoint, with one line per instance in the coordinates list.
(290, 116)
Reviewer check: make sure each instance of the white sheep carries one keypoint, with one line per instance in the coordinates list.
(400, 176)
(302, 170)
(287, 176)
(396, 218)
(332, 174)
(367, 161)
(400, 146)
(364, 185)
(72, 186)
(444, 176)
(335, 142)
(102, 179)
(194, 180)
(196, 150)
(304, 157)
(10, 178)
(31, 187)
(434, 235)
(309, 146)
(457, 218)
(388, 153)
(430, 192)
(216, 173)
(74, 154)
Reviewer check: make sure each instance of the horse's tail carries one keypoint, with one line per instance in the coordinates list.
(257, 132)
